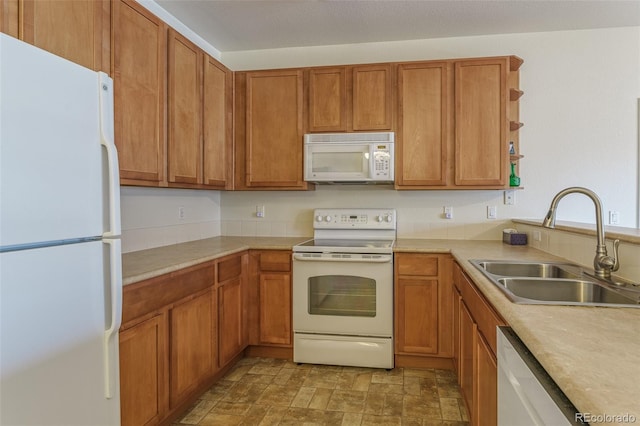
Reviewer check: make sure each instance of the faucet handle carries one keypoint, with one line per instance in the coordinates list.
(616, 262)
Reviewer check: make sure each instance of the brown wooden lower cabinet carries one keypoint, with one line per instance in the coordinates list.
(423, 310)
(485, 404)
(180, 332)
(143, 372)
(476, 350)
(230, 320)
(193, 344)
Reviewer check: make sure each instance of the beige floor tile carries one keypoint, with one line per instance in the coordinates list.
(273, 416)
(320, 399)
(393, 405)
(370, 419)
(277, 395)
(418, 406)
(347, 401)
(362, 382)
(306, 416)
(374, 404)
(265, 391)
(352, 419)
(450, 409)
(303, 397)
(216, 419)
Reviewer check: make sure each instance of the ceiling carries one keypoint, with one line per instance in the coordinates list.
(236, 25)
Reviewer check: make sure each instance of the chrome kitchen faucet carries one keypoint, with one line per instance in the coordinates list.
(603, 264)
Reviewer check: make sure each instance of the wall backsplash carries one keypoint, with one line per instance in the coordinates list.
(150, 216)
(419, 213)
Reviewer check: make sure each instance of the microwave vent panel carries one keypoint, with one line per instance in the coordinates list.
(387, 137)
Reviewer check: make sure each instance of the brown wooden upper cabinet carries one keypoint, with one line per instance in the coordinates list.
(455, 121)
(139, 72)
(199, 121)
(423, 136)
(77, 30)
(482, 121)
(269, 133)
(350, 98)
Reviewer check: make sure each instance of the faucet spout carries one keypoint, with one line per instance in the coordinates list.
(603, 264)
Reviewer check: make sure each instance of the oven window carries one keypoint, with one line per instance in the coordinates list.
(342, 295)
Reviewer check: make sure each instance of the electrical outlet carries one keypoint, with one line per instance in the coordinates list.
(614, 217)
(181, 212)
(448, 212)
(510, 197)
(537, 236)
(492, 212)
(260, 211)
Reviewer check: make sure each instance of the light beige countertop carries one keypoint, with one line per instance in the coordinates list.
(145, 264)
(592, 353)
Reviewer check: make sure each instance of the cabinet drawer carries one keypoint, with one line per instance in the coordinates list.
(275, 261)
(229, 268)
(417, 264)
(147, 296)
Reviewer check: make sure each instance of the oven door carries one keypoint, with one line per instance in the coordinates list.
(347, 294)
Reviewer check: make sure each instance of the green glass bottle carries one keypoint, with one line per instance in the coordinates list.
(514, 180)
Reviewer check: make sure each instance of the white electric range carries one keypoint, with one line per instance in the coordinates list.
(343, 289)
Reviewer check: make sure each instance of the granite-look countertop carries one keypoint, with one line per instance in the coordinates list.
(592, 353)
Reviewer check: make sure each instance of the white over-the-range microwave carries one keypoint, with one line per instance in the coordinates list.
(349, 157)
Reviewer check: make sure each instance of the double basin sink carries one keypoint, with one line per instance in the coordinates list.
(556, 283)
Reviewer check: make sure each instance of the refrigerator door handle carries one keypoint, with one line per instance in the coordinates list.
(107, 140)
(115, 308)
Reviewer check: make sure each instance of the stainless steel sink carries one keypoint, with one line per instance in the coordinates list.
(555, 283)
(565, 291)
(531, 269)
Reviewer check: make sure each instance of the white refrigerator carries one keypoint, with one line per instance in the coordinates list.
(60, 257)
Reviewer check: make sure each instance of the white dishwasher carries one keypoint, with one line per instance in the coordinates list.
(527, 396)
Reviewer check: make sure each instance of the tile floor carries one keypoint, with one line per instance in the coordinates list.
(266, 391)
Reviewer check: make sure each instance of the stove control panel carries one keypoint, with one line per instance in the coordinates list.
(354, 219)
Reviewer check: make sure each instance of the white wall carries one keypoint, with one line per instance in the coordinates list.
(150, 216)
(580, 110)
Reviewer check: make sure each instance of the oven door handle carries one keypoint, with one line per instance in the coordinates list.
(377, 259)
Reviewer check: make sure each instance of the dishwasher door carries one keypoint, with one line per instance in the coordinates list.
(526, 394)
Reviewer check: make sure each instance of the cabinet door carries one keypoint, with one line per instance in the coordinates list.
(486, 385)
(423, 133)
(481, 122)
(275, 309)
(467, 347)
(192, 345)
(72, 29)
(457, 300)
(372, 99)
(230, 307)
(417, 316)
(327, 100)
(9, 12)
(184, 110)
(274, 129)
(139, 71)
(217, 124)
(143, 363)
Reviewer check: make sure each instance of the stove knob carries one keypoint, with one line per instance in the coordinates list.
(379, 218)
(319, 218)
(388, 218)
(327, 218)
